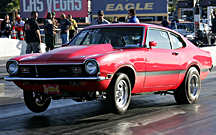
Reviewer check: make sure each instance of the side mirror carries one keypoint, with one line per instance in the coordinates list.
(152, 43)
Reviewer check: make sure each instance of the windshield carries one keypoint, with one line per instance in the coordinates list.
(188, 27)
(116, 36)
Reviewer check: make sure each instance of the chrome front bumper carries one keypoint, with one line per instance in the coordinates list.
(99, 78)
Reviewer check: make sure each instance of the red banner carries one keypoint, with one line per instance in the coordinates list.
(77, 8)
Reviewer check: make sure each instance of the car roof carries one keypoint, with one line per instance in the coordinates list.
(123, 24)
(146, 25)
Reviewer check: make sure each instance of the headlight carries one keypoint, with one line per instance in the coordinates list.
(12, 67)
(91, 67)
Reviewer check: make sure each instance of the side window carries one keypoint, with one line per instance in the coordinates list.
(161, 37)
(176, 43)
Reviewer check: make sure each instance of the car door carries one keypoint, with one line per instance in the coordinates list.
(162, 62)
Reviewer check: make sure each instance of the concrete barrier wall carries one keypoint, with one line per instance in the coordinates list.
(14, 47)
(212, 50)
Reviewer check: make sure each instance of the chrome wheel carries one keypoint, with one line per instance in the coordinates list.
(35, 101)
(38, 99)
(194, 85)
(122, 93)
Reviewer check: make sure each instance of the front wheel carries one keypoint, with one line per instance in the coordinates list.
(189, 91)
(119, 93)
(35, 101)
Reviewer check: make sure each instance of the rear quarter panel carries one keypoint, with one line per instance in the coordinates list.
(193, 56)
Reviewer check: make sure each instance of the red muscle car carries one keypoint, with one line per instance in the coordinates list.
(111, 62)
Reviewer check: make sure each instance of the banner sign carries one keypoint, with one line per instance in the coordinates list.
(121, 7)
(77, 8)
(204, 3)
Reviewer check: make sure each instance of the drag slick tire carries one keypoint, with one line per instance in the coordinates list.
(189, 91)
(35, 101)
(119, 93)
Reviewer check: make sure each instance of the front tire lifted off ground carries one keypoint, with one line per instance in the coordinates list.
(35, 101)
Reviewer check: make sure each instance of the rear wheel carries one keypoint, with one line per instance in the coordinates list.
(189, 91)
(36, 101)
(119, 93)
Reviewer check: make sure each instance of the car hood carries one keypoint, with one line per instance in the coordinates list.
(69, 54)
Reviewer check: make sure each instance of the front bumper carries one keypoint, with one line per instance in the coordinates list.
(67, 84)
(99, 78)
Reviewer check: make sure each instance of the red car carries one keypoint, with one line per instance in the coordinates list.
(111, 62)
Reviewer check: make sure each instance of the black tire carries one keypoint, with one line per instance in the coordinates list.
(119, 93)
(35, 101)
(189, 91)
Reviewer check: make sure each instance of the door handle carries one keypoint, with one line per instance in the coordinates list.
(175, 53)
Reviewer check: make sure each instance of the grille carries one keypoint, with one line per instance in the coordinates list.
(51, 71)
(54, 71)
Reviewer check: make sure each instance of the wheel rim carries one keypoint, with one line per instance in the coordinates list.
(38, 99)
(194, 86)
(122, 93)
